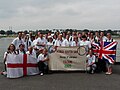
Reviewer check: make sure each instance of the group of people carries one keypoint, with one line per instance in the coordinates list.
(37, 46)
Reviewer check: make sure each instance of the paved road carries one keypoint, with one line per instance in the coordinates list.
(64, 81)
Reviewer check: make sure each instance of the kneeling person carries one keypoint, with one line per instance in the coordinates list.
(91, 66)
(43, 62)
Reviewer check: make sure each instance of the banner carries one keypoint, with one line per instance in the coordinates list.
(21, 65)
(118, 51)
(68, 59)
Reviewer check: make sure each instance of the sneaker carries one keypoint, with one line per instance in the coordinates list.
(92, 72)
(108, 73)
(3, 73)
(41, 74)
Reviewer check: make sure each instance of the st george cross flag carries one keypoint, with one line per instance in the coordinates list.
(105, 50)
(21, 65)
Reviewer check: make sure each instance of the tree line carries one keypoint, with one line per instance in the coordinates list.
(10, 32)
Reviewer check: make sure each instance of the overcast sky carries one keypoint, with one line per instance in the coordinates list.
(55, 14)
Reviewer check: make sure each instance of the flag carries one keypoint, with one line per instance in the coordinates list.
(105, 50)
(21, 65)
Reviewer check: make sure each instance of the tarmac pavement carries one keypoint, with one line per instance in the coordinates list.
(64, 81)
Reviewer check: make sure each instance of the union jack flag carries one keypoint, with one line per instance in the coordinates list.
(105, 50)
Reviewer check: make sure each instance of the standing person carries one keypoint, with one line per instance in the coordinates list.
(109, 38)
(96, 37)
(17, 41)
(108, 64)
(91, 66)
(43, 62)
(101, 65)
(85, 43)
(66, 41)
(34, 43)
(79, 37)
(75, 42)
(91, 38)
(41, 42)
(10, 50)
(102, 36)
(54, 38)
(27, 43)
(72, 36)
(50, 44)
(59, 41)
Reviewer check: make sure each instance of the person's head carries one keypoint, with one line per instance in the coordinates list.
(30, 33)
(50, 39)
(79, 35)
(26, 37)
(23, 35)
(90, 52)
(44, 51)
(96, 33)
(11, 47)
(59, 37)
(102, 34)
(46, 36)
(41, 35)
(75, 38)
(54, 36)
(30, 49)
(21, 47)
(36, 36)
(91, 35)
(84, 38)
(49, 33)
(83, 33)
(20, 35)
(64, 34)
(67, 37)
(73, 33)
(108, 35)
(38, 33)
(69, 33)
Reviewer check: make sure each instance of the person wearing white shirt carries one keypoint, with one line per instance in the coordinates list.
(41, 42)
(17, 41)
(109, 38)
(66, 41)
(43, 62)
(91, 62)
(50, 45)
(11, 50)
(86, 43)
(75, 42)
(31, 52)
(97, 37)
(109, 65)
(104, 38)
(59, 41)
(21, 49)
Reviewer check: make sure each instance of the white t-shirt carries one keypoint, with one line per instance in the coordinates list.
(58, 43)
(91, 59)
(104, 38)
(85, 43)
(33, 54)
(65, 43)
(5, 55)
(41, 41)
(42, 57)
(110, 40)
(73, 43)
(17, 42)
